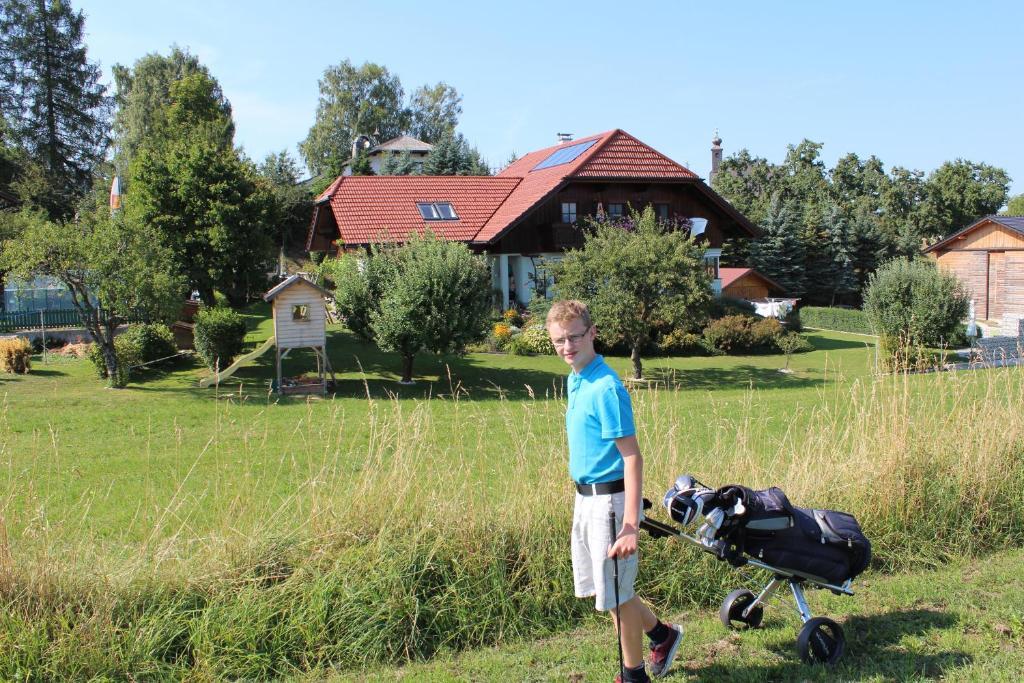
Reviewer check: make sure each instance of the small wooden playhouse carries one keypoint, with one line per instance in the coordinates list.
(300, 322)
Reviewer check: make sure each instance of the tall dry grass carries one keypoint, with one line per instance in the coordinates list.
(443, 524)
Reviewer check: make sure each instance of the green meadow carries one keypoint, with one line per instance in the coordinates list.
(167, 531)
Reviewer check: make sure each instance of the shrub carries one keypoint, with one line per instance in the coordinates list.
(680, 342)
(15, 355)
(730, 334)
(150, 341)
(791, 342)
(915, 302)
(724, 306)
(219, 333)
(534, 339)
(838, 319)
(764, 332)
(741, 333)
(128, 356)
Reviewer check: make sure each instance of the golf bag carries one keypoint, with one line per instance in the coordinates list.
(823, 545)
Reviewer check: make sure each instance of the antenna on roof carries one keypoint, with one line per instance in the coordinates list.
(564, 138)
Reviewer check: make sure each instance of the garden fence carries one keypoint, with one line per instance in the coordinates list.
(34, 320)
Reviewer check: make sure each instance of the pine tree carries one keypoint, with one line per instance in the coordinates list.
(51, 96)
(452, 155)
(780, 253)
(842, 281)
(399, 164)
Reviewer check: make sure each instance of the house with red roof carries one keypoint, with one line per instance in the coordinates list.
(531, 210)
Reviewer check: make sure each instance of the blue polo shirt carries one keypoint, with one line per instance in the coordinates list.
(599, 412)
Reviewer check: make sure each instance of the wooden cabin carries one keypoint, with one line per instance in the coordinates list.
(988, 257)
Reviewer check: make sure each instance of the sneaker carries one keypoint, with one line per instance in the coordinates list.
(664, 653)
(618, 677)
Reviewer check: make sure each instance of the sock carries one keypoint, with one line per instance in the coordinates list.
(659, 633)
(637, 675)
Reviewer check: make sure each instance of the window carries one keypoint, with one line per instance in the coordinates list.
(446, 211)
(661, 211)
(615, 210)
(437, 211)
(300, 313)
(711, 265)
(568, 212)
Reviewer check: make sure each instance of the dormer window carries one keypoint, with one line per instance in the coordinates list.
(437, 211)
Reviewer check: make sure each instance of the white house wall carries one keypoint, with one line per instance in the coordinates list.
(294, 334)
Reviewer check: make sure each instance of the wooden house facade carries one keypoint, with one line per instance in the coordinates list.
(531, 211)
(988, 257)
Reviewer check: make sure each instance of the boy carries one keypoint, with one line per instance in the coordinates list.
(607, 468)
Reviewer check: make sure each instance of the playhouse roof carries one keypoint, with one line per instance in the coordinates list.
(293, 280)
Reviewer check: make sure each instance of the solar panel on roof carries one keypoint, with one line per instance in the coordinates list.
(564, 155)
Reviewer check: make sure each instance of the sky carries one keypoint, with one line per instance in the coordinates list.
(914, 83)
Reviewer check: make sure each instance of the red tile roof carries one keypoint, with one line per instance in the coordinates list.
(731, 275)
(375, 208)
(368, 208)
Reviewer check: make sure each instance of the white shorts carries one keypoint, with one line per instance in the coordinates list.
(592, 569)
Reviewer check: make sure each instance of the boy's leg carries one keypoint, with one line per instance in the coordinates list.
(637, 619)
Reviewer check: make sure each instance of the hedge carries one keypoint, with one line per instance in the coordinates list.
(838, 319)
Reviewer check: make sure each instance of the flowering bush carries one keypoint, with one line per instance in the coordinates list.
(512, 317)
(533, 339)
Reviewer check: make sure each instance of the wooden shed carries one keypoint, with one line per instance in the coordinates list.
(988, 257)
(747, 283)
(300, 322)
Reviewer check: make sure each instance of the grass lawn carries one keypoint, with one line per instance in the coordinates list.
(164, 530)
(964, 622)
(163, 458)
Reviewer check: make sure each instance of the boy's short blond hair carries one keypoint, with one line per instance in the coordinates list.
(564, 312)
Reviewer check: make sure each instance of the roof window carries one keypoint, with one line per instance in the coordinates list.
(437, 211)
(565, 154)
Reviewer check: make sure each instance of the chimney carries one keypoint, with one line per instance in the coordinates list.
(716, 155)
(564, 138)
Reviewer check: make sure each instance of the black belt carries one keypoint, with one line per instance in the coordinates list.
(604, 488)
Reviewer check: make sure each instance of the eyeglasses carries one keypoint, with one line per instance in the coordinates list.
(572, 338)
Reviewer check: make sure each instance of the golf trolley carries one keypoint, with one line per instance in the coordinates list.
(798, 547)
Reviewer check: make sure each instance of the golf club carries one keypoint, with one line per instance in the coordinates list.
(615, 578)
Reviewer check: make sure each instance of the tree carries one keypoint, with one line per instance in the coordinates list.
(780, 251)
(429, 294)
(960, 192)
(51, 97)
(434, 111)
(1015, 207)
(353, 100)
(209, 205)
(399, 164)
(452, 155)
(292, 202)
(143, 92)
(636, 275)
(112, 266)
(748, 183)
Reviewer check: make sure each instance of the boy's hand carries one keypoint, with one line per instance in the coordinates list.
(625, 543)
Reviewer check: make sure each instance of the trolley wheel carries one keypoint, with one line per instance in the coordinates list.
(731, 612)
(821, 641)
